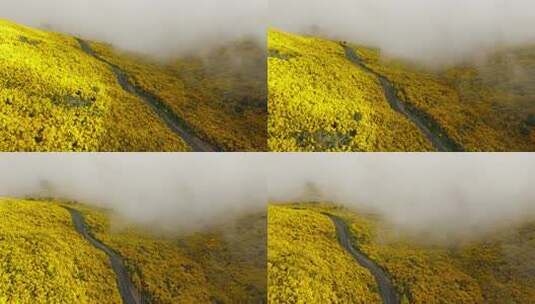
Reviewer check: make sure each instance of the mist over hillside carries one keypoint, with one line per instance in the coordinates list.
(186, 191)
(435, 194)
(454, 195)
(160, 28)
(430, 32)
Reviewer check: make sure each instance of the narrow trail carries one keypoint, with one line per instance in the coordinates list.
(386, 288)
(128, 291)
(428, 126)
(177, 124)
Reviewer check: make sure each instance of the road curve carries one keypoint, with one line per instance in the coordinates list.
(386, 288)
(172, 120)
(128, 291)
(428, 126)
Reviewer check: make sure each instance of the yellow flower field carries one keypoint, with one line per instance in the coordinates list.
(54, 97)
(306, 264)
(319, 100)
(484, 108)
(224, 263)
(222, 100)
(44, 260)
(495, 269)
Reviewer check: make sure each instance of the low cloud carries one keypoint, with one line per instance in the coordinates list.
(436, 31)
(158, 27)
(431, 193)
(438, 195)
(187, 191)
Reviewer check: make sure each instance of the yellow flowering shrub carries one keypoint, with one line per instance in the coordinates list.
(485, 107)
(320, 101)
(307, 265)
(44, 260)
(225, 264)
(222, 100)
(54, 97)
(495, 269)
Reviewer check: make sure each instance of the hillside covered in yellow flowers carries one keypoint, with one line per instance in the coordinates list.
(61, 93)
(303, 243)
(327, 95)
(44, 259)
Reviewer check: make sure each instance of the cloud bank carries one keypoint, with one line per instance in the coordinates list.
(187, 191)
(147, 26)
(429, 193)
(443, 195)
(429, 31)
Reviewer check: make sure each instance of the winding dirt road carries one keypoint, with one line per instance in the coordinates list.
(429, 127)
(173, 121)
(386, 288)
(128, 291)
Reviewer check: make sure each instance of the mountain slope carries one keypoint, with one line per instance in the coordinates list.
(46, 260)
(307, 265)
(484, 107)
(333, 96)
(53, 97)
(224, 264)
(495, 268)
(498, 268)
(56, 97)
(221, 94)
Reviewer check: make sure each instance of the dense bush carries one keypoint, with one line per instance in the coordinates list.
(307, 265)
(44, 260)
(54, 97)
(495, 268)
(320, 101)
(483, 107)
(226, 263)
(221, 95)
